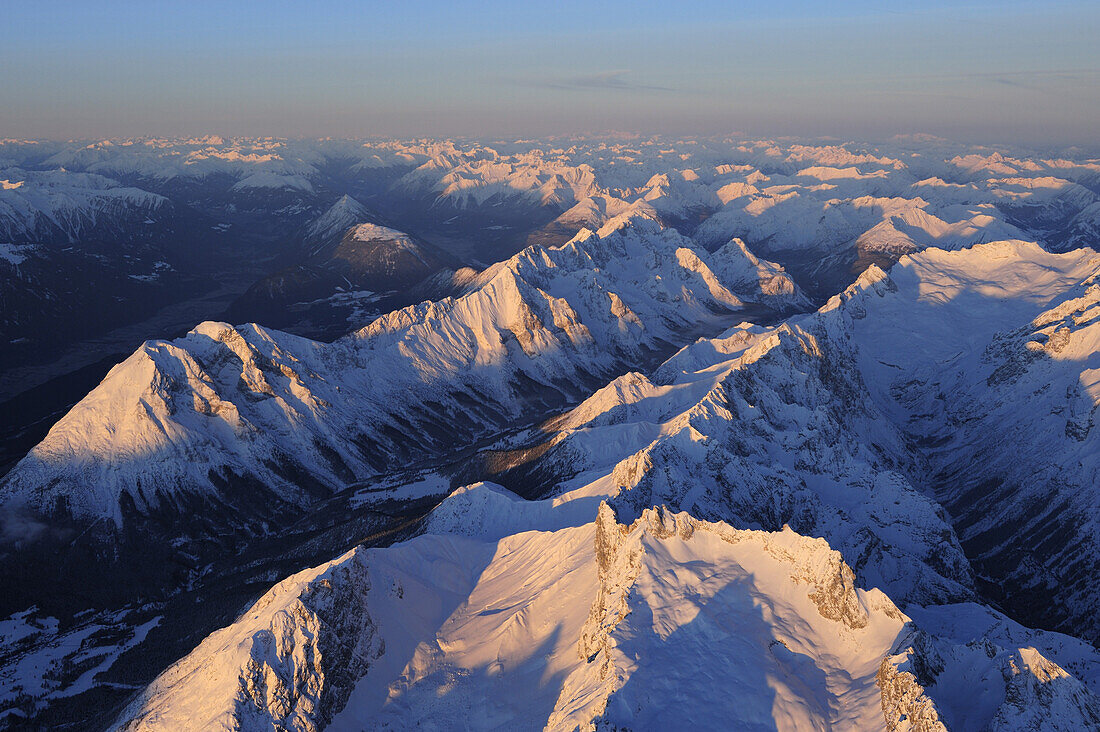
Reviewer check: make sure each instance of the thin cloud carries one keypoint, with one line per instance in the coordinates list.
(1009, 75)
(1042, 81)
(603, 80)
(1037, 81)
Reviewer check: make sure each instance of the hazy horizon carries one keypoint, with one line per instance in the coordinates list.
(977, 72)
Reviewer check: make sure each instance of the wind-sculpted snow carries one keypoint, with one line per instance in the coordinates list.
(666, 621)
(291, 418)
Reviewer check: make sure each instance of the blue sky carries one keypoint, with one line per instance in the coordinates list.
(1006, 71)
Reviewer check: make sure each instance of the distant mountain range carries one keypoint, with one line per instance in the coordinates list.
(598, 435)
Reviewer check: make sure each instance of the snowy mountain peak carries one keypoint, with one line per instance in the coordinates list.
(365, 639)
(670, 457)
(340, 217)
(372, 232)
(229, 406)
(584, 624)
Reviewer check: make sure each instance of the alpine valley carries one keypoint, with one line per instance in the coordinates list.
(597, 433)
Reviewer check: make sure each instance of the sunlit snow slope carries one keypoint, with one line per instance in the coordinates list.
(969, 377)
(243, 416)
(664, 622)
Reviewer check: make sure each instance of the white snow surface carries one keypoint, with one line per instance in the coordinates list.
(966, 377)
(743, 427)
(47, 204)
(372, 232)
(554, 629)
(275, 181)
(777, 195)
(665, 622)
(341, 216)
(243, 401)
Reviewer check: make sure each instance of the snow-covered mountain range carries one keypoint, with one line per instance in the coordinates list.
(619, 434)
(824, 211)
(845, 425)
(44, 205)
(228, 407)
